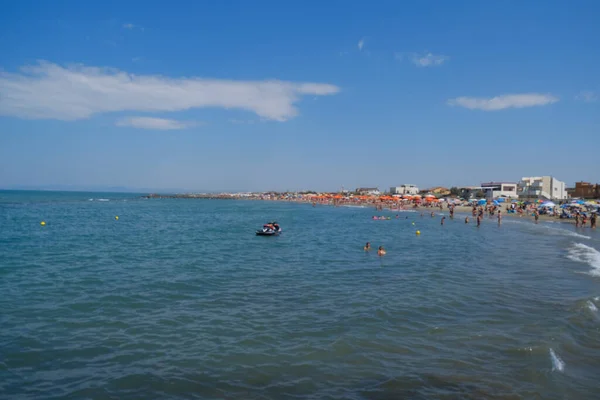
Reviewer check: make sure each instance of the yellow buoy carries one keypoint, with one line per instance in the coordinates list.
(418, 233)
(117, 217)
(43, 223)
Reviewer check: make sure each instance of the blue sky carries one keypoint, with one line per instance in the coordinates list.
(236, 95)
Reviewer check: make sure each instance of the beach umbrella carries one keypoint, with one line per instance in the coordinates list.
(496, 203)
(481, 202)
(548, 204)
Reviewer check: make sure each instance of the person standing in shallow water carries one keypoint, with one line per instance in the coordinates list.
(499, 217)
(442, 221)
(466, 220)
(479, 217)
(593, 220)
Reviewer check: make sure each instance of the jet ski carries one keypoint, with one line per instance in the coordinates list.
(270, 229)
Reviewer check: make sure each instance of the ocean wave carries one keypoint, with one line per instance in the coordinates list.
(557, 363)
(546, 227)
(103, 200)
(565, 232)
(591, 306)
(586, 254)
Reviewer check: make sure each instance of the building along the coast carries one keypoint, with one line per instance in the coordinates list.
(470, 192)
(546, 187)
(368, 191)
(586, 190)
(494, 190)
(405, 189)
(438, 191)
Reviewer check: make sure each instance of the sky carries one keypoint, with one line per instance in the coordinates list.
(312, 95)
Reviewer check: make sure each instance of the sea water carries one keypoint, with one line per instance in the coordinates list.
(179, 299)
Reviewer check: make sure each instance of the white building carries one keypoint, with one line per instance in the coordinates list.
(368, 191)
(500, 189)
(405, 189)
(542, 186)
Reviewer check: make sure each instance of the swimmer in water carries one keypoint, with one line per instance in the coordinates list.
(432, 214)
(367, 246)
(381, 251)
(466, 220)
(443, 219)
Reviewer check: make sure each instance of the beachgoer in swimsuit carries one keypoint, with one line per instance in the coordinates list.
(381, 251)
(367, 246)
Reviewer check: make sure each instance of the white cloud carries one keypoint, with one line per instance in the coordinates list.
(504, 101)
(428, 59)
(587, 95)
(50, 91)
(361, 44)
(131, 26)
(154, 123)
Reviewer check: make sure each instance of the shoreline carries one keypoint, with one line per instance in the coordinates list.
(355, 202)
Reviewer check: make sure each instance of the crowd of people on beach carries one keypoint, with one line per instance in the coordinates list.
(494, 211)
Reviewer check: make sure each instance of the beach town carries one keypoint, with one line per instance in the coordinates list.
(542, 197)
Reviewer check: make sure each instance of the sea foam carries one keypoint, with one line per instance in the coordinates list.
(557, 363)
(565, 232)
(592, 306)
(586, 254)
